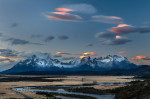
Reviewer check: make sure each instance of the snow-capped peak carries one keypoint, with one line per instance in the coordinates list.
(100, 61)
(47, 63)
(115, 58)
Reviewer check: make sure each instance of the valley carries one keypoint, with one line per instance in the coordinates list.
(96, 82)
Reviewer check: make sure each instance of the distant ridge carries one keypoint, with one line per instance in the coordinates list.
(141, 70)
(87, 64)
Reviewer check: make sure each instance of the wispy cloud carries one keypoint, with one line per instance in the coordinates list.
(124, 29)
(64, 16)
(67, 58)
(141, 58)
(38, 54)
(63, 37)
(106, 19)
(64, 9)
(116, 41)
(57, 56)
(81, 55)
(8, 53)
(8, 56)
(14, 25)
(36, 36)
(122, 52)
(113, 37)
(87, 54)
(82, 8)
(109, 38)
(6, 60)
(49, 38)
(63, 53)
(89, 45)
(106, 35)
(15, 41)
(64, 13)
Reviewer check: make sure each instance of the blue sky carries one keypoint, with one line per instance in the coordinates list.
(28, 26)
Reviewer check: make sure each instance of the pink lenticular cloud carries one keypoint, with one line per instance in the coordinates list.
(61, 13)
(80, 8)
(123, 28)
(64, 16)
(106, 19)
(118, 37)
(121, 52)
(63, 53)
(141, 58)
(64, 9)
(86, 54)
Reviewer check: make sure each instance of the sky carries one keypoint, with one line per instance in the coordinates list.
(74, 28)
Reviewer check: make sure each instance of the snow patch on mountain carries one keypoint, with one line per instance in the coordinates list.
(46, 63)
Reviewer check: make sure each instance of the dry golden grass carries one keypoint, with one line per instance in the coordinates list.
(69, 80)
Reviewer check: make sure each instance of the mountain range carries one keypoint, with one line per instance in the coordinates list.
(47, 64)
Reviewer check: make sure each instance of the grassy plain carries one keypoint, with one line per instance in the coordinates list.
(11, 81)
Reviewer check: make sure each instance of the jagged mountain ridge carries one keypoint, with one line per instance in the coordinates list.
(35, 63)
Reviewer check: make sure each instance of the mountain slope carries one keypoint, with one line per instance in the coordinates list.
(46, 63)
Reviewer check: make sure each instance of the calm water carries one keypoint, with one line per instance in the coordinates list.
(62, 91)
